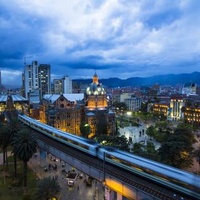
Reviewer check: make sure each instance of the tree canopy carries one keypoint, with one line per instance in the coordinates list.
(177, 149)
(24, 146)
(47, 188)
(119, 142)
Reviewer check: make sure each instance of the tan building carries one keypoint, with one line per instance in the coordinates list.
(161, 108)
(63, 111)
(70, 112)
(98, 115)
(192, 115)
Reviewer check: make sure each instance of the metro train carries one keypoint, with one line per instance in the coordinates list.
(163, 174)
(83, 144)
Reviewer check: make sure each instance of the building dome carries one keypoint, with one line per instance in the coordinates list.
(95, 88)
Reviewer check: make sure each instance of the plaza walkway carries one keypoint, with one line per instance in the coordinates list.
(80, 191)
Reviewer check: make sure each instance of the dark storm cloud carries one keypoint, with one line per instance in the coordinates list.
(118, 38)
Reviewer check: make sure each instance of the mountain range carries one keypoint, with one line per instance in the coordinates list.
(169, 79)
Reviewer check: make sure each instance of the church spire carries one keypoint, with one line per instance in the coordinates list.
(95, 78)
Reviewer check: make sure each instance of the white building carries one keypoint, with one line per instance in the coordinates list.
(124, 96)
(36, 78)
(189, 89)
(176, 104)
(67, 85)
(135, 133)
(133, 103)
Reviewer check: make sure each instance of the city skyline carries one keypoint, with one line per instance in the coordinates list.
(116, 38)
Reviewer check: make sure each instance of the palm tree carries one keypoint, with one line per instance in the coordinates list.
(14, 127)
(4, 141)
(47, 188)
(24, 146)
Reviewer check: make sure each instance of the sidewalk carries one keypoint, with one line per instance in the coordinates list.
(77, 192)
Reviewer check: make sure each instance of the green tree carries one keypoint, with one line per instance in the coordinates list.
(101, 127)
(2, 118)
(151, 131)
(196, 154)
(150, 147)
(121, 106)
(177, 149)
(119, 142)
(147, 151)
(85, 130)
(137, 148)
(14, 127)
(143, 108)
(24, 146)
(160, 131)
(47, 188)
(4, 141)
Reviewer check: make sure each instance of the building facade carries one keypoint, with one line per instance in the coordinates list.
(36, 79)
(62, 86)
(162, 108)
(133, 103)
(44, 77)
(63, 111)
(57, 86)
(189, 89)
(177, 102)
(98, 115)
(67, 85)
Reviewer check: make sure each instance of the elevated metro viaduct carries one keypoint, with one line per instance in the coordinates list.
(115, 188)
(119, 184)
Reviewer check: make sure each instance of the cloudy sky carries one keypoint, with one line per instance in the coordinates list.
(117, 38)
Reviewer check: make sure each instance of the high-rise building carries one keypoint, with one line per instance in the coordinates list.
(57, 86)
(62, 86)
(36, 79)
(67, 85)
(30, 78)
(44, 76)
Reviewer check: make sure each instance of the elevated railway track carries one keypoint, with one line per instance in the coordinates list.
(153, 189)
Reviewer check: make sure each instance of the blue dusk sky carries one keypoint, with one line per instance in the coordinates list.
(117, 38)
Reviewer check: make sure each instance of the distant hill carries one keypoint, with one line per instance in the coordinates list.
(169, 79)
